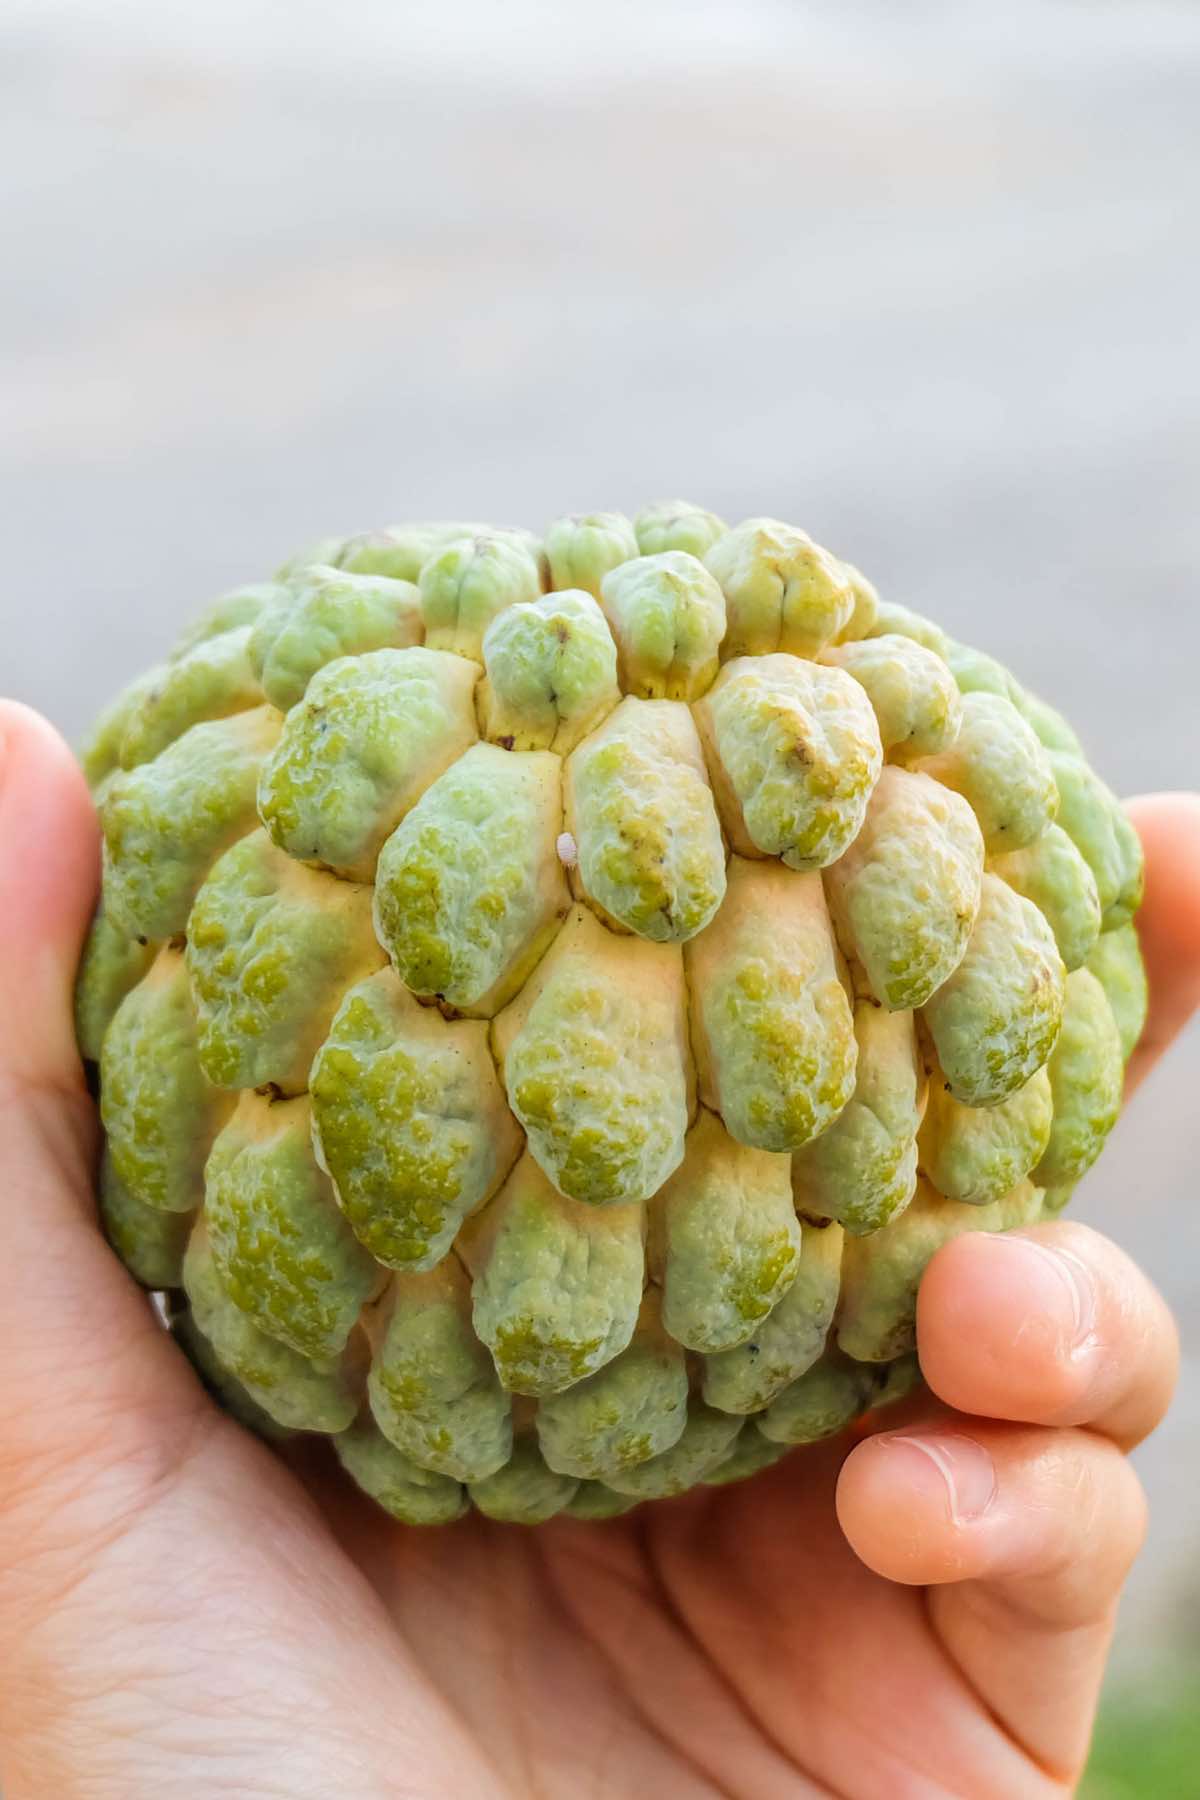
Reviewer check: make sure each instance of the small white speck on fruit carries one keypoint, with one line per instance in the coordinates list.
(567, 850)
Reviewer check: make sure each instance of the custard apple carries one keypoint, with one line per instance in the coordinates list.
(552, 996)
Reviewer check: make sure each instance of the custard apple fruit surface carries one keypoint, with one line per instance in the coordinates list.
(552, 997)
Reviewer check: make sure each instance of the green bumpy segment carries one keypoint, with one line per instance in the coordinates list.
(782, 591)
(229, 612)
(794, 751)
(730, 1241)
(214, 680)
(371, 734)
(1053, 874)
(595, 1063)
(558, 1284)
(818, 1404)
(551, 673)
(677, 525)
(1086, 1072)
(915, 700)
(149, 1241)
(641, 810)
(751, 1453)
(414, 1495)
(111, 964)
(792, 1336)
(159, 1111)
(469, 888)
(322, 615)
(997, 764)
(271, 948)
(771, 1023)
(881, 1273)
(977, 1154)
(524, 1491)
(1116, 962)
(592, 1500)
(905, 895)
(667, 616)
(863, 1169)
(295, 1391)
(401, 551)
(994, 1022)
(892, 620)
(433, 1390)
(470, 583)
(283, 1251)
(703, 1445)
(581, 548)
(100, 752)
(865, 613)
(225, 1387)
(166, 822)
(632, 1409)
(1097, 824)
(409, 1120)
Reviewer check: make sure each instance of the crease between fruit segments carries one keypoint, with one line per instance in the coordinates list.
(553, 995)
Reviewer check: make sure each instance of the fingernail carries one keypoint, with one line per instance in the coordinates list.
(1057, 1284)
(967, 1472)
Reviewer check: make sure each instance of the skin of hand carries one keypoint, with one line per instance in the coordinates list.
(923, 1609)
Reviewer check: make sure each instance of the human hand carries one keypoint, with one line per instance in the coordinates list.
(184, 1611)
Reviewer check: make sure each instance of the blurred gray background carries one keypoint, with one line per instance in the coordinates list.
(922, 279)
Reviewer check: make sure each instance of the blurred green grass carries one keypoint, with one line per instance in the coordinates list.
(1147, 1743)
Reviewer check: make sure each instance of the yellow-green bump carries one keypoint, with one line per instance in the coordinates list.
(213, 680)
(272, 946)
(677, 525)
(229, 612)
(881, 1273)
(977, 1154)
(296, 1391)
(283, 1251)
(862, 1171)
(794, 753)
(1053, 874)
(557, 1284)
(995, 1020)
(149, 1241)
(634, 1408)
(433, 1390)
(524, 1491)
(371, 734)
(112, 962)
(703, 1445)
(1086, 1072)
(782, 591)
(1097, 824)
(595, 1059)
(893, 620)
(593, 1500)
(402, 1487)
(792, 1336)
(1116, 962)
(166, 822)
(581, 548)
(751, 1453)
(409, 1120)
(641, 813)
(997, 764)
(905, 895)
(863, 618)
(913, 693)
(324, 614)
(471, 582)
(667, 616)
(158, 1108)
(100, 752)
(819, 1404)
(551, 673)
(469, 888)
(771, 1023)
(727, 1239)
(402, 551)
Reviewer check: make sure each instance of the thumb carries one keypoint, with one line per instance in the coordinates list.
(87, 1369)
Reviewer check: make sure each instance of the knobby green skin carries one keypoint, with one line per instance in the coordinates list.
(552, 997)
